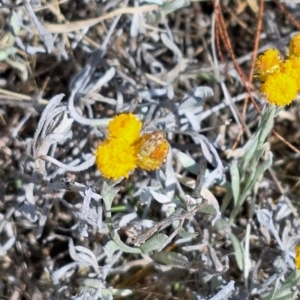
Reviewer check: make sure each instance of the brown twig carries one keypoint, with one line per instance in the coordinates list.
(247, 82)
(290, 17)
(256, 43)
(78, 25)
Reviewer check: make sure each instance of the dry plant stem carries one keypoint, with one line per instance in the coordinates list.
(226, 40)
(238, 138)
(50, 6)
(112, 28)
(276, 181)
(128, 265)
(256, 41)
(60, 20)
(44, 85)
(285, 141)
(174, 233)
(135, 279)
(20, 97)
(215, 59)
(37, 98)
(291, 18)
(75, 26)
(254, 56)
(221, 30)
(217, 39)
(179, 215)
(233, 12)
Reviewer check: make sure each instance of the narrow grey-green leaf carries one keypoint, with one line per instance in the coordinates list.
(123, 246)
(268, 296)
(184, 234)
(211, 205)
(121, 292)
(169, 7)
(154, 242)
(221, 224)
(267, 123)
(238, 251)
(256, 158)
(227, 198)
(104, 294)
(108, 192)
(171, 259)
(4, 53)
(207, 209)
(235, 181)
(289, 283)
(188, 162)
(110, 248)
(250, 149)
(289, 295)
(259, 170)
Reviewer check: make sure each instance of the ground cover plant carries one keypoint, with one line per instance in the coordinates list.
(149, 149)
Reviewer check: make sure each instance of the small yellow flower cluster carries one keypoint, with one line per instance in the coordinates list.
(295, 46)
(297, 258)
(125, 149)
(281, 79)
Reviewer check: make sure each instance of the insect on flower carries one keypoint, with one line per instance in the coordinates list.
(125, 148)
(152, 150)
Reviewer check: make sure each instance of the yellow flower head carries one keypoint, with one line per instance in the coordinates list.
(295, 46)
(124, 149)
(297, 258)
(267, 63)
(125, 127)
(152, 149)
(116, 159)
(291, 66)
(279, 88)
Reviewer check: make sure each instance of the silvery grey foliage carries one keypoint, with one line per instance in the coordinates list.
(195, 99)
(26, 47)
(45, 35)
(225, 292)
(66, 271)
(83, 256)
(6, 228)
(94, 289)
(54, 127)
(87, 195)
(29, 49)
(167, 219)
(81, 85)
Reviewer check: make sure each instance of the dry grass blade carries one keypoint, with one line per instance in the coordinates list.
(79, 25)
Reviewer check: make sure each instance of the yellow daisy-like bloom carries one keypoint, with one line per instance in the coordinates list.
(292, 67)
(297, 258)
(295, 46)
(125, 127)
(280, 88)
(116, 159)
(152, 149)
(267, 63)
(124, 149)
